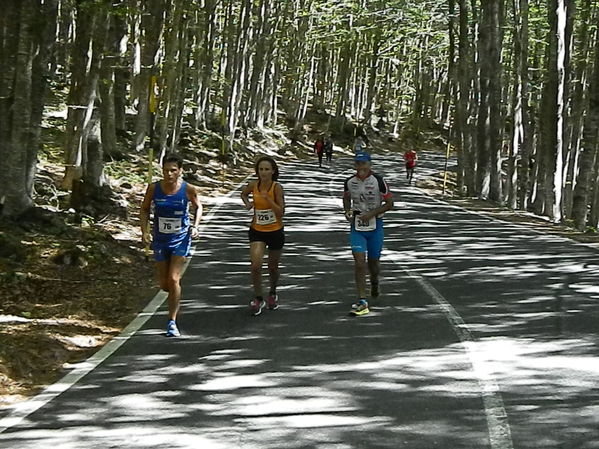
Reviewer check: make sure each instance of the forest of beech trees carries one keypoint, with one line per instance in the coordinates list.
(515, 82)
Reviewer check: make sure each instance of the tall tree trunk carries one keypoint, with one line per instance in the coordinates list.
(322, 67)
(343, 75)
(152, 22)
(547, 144)
(238, 72)
(9, 25)
(495, 86)
(92, 173)
(593, 219)
(517, 130)
(483, 174)
(372, 75)
(554, 179)
(578, 104)
(166, 120)
(465, 166)
(107, 95)
(524, 131)
(588, 157)
(45, 31)
(205, 58)
(122, 76)
(19, 124)
(81, 96)
(64, 40)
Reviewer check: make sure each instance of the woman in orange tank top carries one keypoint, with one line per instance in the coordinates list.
(266, 230)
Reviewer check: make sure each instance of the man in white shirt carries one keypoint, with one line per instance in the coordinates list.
(366, 198)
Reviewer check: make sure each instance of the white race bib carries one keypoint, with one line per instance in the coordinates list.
(169, 225)
(265, 217)
(365, 225)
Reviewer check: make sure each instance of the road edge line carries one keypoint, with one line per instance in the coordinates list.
(510, 223)
(497, 421)
(22, 410)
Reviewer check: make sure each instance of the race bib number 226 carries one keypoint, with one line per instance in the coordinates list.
(265, 217)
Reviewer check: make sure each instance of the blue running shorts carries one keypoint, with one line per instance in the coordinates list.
(368, 241)
(164, 250)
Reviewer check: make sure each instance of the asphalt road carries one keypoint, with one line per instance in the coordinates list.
(484, 337)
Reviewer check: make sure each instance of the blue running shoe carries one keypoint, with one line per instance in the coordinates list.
(172, 330)
(360, 308)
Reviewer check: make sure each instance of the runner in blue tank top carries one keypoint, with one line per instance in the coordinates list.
(171, 231)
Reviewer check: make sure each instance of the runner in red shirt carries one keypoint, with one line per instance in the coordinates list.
(410, 157)
(319, 149)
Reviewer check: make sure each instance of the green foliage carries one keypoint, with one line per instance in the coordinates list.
(133, 173)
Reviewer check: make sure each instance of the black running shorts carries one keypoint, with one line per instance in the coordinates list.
(274, 239)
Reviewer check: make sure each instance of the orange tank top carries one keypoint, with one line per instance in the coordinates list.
(265, 219)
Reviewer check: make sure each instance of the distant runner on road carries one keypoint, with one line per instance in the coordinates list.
(359, 144)
(266, 230)
(319, 145)
(328, 149)
(410, 157)
(171, 233)
(366, 198)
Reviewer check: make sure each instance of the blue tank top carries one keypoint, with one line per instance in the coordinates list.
(171, 214)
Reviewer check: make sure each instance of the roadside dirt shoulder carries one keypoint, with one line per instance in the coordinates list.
(434, 187)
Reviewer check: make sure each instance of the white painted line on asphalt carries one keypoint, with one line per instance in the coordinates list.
(497, 421)
(500, 436)
(21, 410)
(524, 227)
(330, 188)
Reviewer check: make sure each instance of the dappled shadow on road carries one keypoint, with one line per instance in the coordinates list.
(511, 279)
(529, 300)
(309, 376)
(309, 390)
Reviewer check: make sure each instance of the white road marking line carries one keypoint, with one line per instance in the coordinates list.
(22, 410)
(500, 436)
(524, 227)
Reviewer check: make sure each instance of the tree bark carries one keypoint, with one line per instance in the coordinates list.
(9, 24)
(524, 131)
(588, 158)
(121, 72)
(205, 60)
(547, 143)
(152, 22)
(465, 166)
(45, 31)
(483, 173)
(81, 97)
(166, 120)
(578, 104)
(495, 87)
(16, 198)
